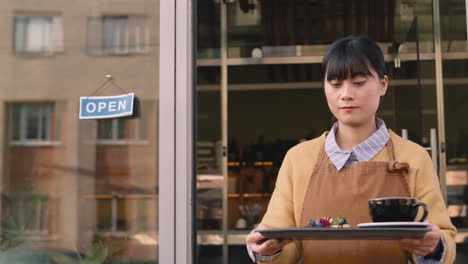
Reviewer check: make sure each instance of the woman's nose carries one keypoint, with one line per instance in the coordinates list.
(347, 93)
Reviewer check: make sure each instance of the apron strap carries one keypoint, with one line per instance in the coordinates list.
(394, 165)
(391, 151)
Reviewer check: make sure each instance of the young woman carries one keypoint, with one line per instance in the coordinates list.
(359, 159)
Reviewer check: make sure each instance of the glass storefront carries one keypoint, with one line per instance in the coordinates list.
(98, 190)
(78, 191)
(259, 92)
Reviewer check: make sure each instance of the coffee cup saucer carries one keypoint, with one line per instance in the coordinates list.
(394, 225)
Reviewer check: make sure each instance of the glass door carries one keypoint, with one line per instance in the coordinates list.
(79, 191)
(454, 47)
(210, 176)
(259, 67)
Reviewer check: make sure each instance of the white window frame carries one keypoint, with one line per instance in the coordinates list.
(115, 140)
(119, 48)
(137, 204)
(136, 30)
(52, 37)
(20, 208)
(23, 125)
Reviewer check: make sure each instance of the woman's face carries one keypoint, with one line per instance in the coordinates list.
(354, 101)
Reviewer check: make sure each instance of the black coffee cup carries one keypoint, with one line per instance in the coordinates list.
(396, 209)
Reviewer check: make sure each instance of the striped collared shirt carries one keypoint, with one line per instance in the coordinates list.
(362, 152)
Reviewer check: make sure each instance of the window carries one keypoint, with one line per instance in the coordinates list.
(117, 35)
(120, 130)
(31, 122)
(30, 213)
(124, 213)
(38, 34)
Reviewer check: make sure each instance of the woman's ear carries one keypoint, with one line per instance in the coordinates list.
(383, 85)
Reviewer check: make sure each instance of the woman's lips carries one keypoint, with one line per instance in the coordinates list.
(348, 108)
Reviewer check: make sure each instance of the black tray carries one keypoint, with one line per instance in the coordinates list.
(313, 233)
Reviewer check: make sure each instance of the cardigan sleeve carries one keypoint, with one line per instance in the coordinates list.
(427, 190)
(280, 211)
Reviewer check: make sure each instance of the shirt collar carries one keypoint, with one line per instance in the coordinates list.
(363, 152)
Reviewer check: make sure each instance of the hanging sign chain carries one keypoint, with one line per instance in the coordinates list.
(113, 83)
(110, 80)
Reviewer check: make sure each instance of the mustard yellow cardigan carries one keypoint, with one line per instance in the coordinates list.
(284, 209)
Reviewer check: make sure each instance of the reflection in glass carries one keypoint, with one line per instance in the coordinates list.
(277, 28)
(79, 188)
(114, 30)
(105, 128)
(121, 129)
(15, 126)
(104, 215)
(31, 121)
(117, 35)
(36, 34)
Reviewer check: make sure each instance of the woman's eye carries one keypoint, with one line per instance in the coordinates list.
(360, 83)
(335, 85)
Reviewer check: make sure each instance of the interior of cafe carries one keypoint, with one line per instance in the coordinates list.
(260, 92)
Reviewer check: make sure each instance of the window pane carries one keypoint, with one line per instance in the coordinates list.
(136, 34)
(122, 214)
(45, 122)
(105, 129)
(104, 219)
(121, 130)
(38, 34)
(20, 33)
(455, 64)
(68, 184)
(16, 114)
(115, 33)
(32, 122)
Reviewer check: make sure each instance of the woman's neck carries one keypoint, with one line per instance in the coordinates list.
(348, 137)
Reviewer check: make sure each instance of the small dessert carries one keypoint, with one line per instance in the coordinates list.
(339, 222)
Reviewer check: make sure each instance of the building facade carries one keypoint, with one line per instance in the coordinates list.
(68, 185)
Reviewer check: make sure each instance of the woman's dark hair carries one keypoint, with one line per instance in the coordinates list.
(352, 56)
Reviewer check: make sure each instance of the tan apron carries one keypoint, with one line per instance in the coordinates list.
(345, 193)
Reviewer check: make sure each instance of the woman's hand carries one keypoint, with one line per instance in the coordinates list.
(262, 245)
(423, 246)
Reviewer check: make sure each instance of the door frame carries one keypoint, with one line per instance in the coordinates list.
(440, 99)
(176, 132)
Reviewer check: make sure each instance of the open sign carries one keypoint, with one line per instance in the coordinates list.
(98, 107)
